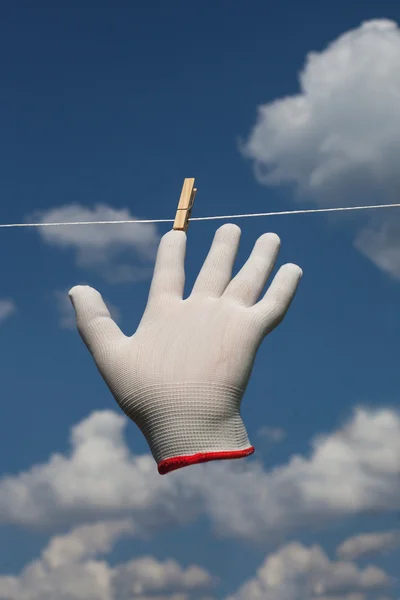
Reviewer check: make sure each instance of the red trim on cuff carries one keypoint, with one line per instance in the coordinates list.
(178, 462)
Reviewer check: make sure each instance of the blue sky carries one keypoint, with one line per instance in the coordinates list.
(105, 109)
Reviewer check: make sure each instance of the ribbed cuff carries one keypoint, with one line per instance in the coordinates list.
(178, 462)
(189, 423)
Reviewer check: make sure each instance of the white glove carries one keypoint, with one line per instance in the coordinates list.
(182, 375)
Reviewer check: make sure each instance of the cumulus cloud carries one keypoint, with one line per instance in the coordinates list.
(351, 471)
(7, 308)
(109, 249)
(98, 478)
(367, 543)
(381, 244)
(272, 434)
(72, 567)
(338, 140)
(348, 472)
(296, 572)
(67, 319)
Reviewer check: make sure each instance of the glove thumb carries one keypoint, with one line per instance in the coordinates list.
(93, 319)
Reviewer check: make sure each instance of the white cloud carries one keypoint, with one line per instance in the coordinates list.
(145, 575)
(348, 472)
(295, 572)
(69, 568)
(109, 249)
(272, 434)
(86, 541)
(73, 566)
(7, 308)
(338, 140)
(98, 478)
(367, 543)
(67, 314)
(381, 244)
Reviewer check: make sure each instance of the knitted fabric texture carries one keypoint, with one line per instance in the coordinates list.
(182, 375)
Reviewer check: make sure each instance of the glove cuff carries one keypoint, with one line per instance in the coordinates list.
(189, 423)
(178, 462)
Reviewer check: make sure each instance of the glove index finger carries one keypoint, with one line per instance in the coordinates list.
(93, 318)
(169, 271)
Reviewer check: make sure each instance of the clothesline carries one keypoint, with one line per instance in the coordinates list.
(216, 217)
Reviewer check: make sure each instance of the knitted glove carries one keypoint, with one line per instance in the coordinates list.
(182, 375)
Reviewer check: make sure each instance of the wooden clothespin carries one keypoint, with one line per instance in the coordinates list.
(185, 205)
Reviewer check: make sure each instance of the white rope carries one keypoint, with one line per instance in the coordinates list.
(221, 217)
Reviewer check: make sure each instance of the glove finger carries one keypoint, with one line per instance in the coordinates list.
(169, 270)
(216, 271)
(93, 318)
(248, 284)
(273, 307)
